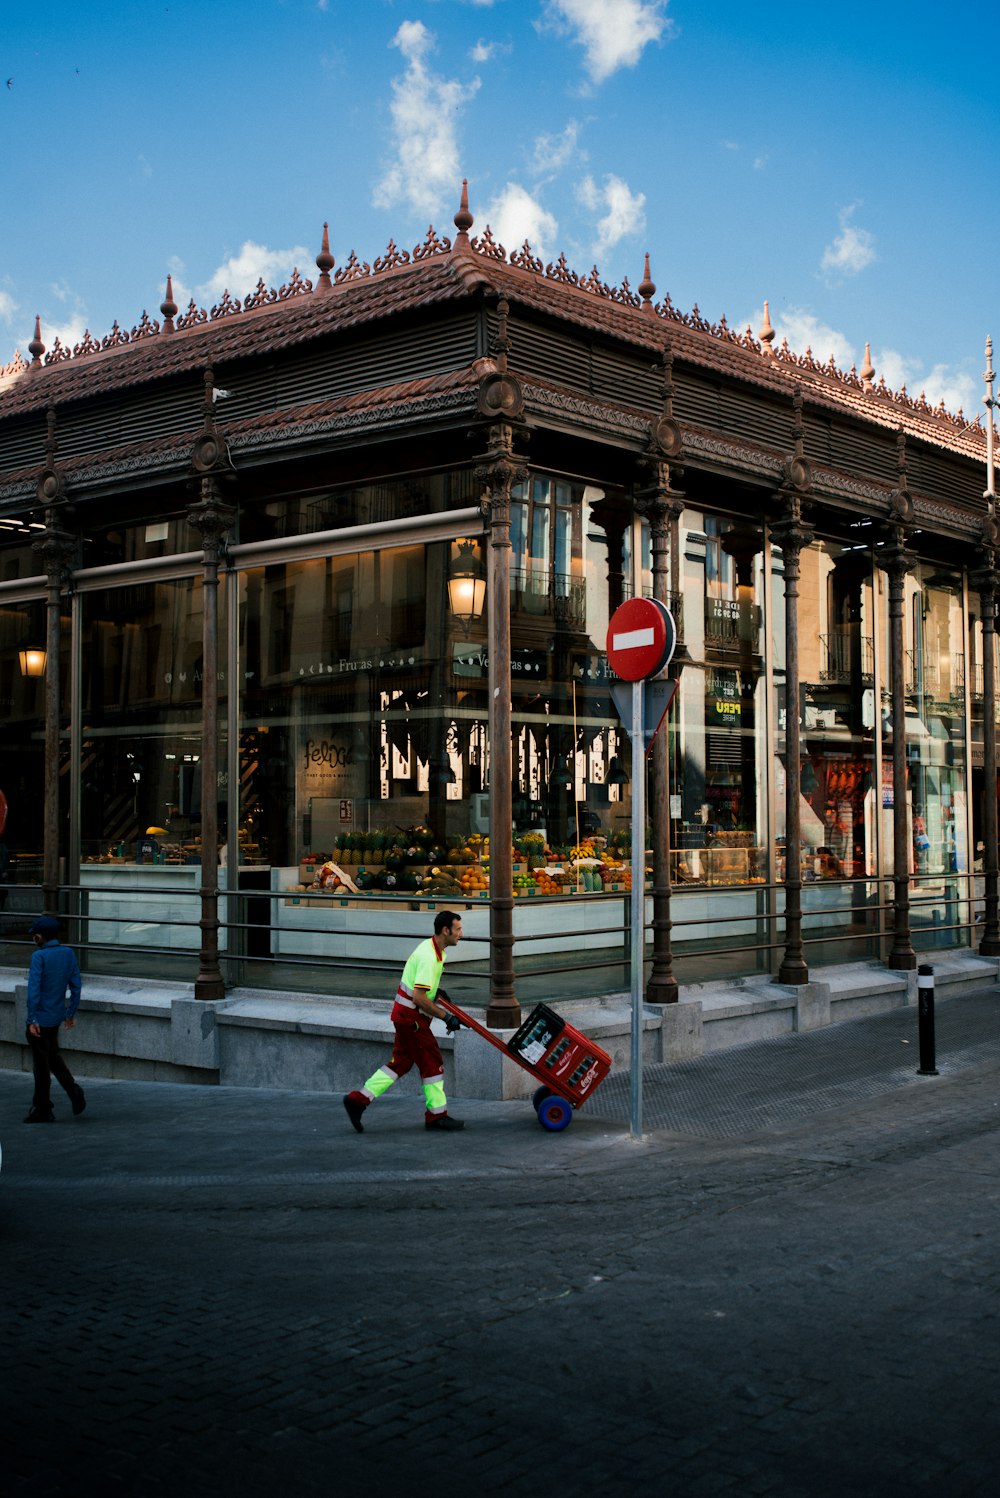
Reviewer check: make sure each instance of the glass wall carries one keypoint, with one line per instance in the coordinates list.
(141, 690)
(361, 723)
(360, 764)
(141, 791)
(22, 749)
(836, 779)
(937, 781)
(719, 801)
(569, 749)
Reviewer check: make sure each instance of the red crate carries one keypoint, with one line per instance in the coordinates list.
(562, 1058)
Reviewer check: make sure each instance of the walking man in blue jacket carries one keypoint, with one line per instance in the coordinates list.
(53, 998)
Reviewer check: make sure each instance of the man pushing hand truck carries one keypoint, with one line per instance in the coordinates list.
(415, 1006)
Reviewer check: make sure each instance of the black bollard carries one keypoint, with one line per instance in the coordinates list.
(925, 1020)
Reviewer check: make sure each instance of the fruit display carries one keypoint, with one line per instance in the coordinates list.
(413, 862)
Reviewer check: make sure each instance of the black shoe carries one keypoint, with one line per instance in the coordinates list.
(37, 1115)
(445, 1122)
(78, 1099)
(354, 1112)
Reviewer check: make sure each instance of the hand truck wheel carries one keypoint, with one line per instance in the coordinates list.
(538, 1097)
(554, 1113)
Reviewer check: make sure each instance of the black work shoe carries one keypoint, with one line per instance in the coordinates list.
(354, 1112)
(78, 1099)
(444, 1121)
(38, 1116)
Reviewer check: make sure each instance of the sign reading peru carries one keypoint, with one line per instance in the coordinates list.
(641, 639)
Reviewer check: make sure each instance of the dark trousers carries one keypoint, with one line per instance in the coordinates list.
(46, 1063)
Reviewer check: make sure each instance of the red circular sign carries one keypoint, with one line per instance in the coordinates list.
(641, 638)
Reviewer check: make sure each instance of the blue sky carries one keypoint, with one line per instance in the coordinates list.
(836, 160)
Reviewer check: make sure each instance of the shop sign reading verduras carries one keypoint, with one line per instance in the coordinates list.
(641, 640)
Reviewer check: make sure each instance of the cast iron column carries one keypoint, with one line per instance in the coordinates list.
(56, 548)
(660, 505)
(792, 535)
(212, 519)
(498, 472)
(985, 583)
(897, 562)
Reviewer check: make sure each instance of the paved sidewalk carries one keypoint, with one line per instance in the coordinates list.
(789, 1286)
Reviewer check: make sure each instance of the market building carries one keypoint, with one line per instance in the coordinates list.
(303, 615)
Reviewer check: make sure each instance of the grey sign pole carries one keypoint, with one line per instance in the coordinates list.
(638, 902)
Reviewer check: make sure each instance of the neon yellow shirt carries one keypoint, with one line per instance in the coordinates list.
(423, 968)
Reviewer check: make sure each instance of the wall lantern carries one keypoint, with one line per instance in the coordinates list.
(32, 661)
(467, 584)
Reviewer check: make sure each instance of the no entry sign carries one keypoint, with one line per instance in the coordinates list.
(641, 639)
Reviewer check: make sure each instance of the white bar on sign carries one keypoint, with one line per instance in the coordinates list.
(633, 639)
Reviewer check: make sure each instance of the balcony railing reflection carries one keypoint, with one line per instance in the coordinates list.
(958, 675)
(730, 630)
(837, 648)
(547, 594)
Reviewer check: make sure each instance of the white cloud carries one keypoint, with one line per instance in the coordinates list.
(486, 51)
(8, 306)
(69, 332)
(803, 330)
(553, 152)
(515, 216)
(624, 213)
(613, 33)
(942, 382)
(852, 250)
(240, 273)
(425, 109)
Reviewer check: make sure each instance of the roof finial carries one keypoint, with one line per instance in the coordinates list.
(647, 287)
(326, 262)
(766, 333)
(867, 371)
(463, 218)
(168, 307)
(36, 347)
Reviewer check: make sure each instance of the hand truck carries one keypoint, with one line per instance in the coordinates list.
(568, 1065)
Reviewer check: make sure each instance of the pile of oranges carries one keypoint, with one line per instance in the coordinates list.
(474, 880)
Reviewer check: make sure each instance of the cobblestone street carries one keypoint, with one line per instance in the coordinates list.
(789, 1286)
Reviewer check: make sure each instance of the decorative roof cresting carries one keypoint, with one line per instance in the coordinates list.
(487, 248)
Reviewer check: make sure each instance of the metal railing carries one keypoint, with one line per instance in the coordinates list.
(555, 595)
(838, 655)
(943, 912)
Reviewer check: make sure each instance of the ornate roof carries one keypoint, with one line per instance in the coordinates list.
(440, 271)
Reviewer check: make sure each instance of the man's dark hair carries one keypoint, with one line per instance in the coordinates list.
(445, 918)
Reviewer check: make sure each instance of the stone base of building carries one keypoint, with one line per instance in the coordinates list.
(158, 1032)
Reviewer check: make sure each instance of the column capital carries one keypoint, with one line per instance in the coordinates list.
(209, 514)
(791, 531)
(499, 468)
(658, 502)
(56, 548)
(893, 555)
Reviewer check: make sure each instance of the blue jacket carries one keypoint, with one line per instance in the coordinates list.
(53, 970)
